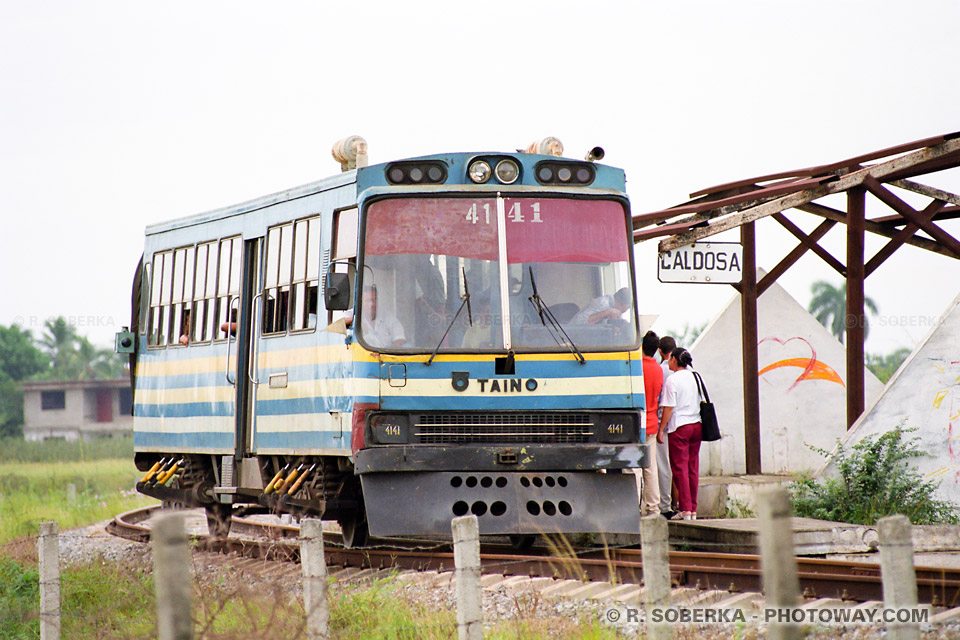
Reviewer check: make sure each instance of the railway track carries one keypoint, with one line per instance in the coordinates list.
(849, 582)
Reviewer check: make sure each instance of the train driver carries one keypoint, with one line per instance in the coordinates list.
(380, 328)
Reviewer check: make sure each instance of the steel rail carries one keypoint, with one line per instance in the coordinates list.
(819, 578)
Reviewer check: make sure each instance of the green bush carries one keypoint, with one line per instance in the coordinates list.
(874, 481)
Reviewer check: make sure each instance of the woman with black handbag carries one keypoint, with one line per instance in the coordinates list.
(681, 425)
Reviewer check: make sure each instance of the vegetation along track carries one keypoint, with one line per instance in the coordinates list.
(819, 578)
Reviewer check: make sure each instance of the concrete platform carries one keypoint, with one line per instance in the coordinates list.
(810, 537)
(733, 496)
(741, 535)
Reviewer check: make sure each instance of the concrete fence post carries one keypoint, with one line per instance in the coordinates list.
(71, 494)
(466, 558)
(654, 539)
(49, 552)
(172, 577)
(781, 586)
(314, 566)
(897, 573)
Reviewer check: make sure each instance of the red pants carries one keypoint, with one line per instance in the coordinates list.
(684, 444)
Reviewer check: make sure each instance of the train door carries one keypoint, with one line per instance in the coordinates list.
(242, 342)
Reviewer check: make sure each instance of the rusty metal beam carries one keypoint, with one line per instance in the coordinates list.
(872, 227)
(856, 318)
(911, 214)
(811, 243)
(897, 241)
(793, 200)
(792, 257)
(924, 190)
(749, 346)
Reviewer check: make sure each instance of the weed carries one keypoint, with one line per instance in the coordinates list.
(736, 509)
(875, 480)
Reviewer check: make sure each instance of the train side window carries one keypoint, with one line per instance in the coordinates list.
(146, 286)
(228, 285)
(178, 326)
(345, 227)
(277, 279)
(306, 265)
(201, 310)
(159, 295)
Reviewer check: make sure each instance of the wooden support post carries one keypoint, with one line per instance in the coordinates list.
(856, 318)
(781, 586)
(314, 566)
(466, 558)
(49, 552)
(751, 381)
(171, 576)
(897, 573)
(654, 536)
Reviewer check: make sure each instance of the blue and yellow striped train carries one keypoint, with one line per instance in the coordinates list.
(398, 345)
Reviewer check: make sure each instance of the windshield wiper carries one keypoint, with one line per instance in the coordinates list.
(466, 303)
(546, 315)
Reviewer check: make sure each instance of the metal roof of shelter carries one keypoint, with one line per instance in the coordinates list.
(741, 203)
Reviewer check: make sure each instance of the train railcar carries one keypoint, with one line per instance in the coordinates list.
(398, 345)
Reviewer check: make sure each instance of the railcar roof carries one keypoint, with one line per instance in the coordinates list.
(333, 182)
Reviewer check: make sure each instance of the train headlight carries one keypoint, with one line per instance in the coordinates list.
(389, 428)
(507, 171)
(479, 171)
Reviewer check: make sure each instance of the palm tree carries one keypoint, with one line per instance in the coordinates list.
(90, 361)
(59, 341)
(829, 307)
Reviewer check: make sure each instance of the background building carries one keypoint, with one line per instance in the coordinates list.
(77, 409)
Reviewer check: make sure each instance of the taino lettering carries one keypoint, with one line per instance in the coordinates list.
(507, 385)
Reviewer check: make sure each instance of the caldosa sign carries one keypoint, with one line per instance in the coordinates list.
(705, 262)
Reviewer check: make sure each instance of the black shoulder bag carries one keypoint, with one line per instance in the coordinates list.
(708, 415)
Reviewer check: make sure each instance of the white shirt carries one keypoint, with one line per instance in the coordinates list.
(383, 331)
(665, 365)
(599, 304)
(680, 392)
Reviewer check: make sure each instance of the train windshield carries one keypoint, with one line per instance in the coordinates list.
(541, 273)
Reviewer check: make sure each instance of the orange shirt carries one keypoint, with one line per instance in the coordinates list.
(652, 384)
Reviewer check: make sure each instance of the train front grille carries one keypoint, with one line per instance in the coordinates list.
(503, 428)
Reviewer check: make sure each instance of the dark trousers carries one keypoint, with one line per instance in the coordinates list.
(684, 446)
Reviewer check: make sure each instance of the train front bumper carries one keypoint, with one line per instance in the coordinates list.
(506, 503)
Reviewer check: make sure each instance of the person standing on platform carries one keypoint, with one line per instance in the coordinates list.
(667, 505)
(652, 387)
(681, 420)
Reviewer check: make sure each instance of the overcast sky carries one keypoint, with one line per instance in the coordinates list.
(120, 114)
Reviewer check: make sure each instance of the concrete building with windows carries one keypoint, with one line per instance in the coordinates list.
(77, 409)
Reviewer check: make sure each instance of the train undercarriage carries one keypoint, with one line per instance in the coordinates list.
(302, 486)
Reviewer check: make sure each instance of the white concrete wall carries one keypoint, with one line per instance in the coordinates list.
(924, 394)
(794, 413)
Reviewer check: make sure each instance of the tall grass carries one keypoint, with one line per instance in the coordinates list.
(19, 450)
(33, 492)
(103, 601)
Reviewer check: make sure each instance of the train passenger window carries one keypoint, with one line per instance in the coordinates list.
(228, 285)
(182, 258)
(198, 307)
(306, 266)
(276, 283)
(159, 295)
(146, 285)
